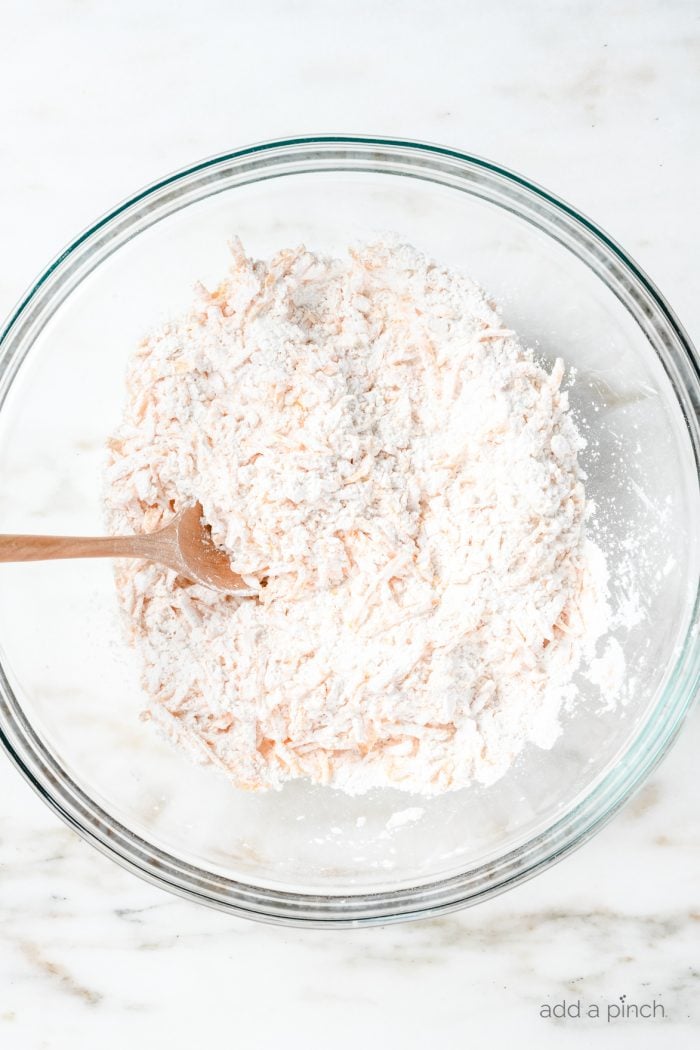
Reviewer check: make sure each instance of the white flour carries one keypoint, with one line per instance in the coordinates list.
(367, 436)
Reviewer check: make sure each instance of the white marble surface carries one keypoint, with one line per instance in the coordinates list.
(598, 102)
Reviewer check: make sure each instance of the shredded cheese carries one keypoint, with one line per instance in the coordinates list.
(367, 437)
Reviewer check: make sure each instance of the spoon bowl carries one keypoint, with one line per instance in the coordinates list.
(184, 545)
(195, 555)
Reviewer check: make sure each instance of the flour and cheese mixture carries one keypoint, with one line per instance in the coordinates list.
(396, 479)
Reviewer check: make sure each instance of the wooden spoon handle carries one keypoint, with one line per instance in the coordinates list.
(45, 548)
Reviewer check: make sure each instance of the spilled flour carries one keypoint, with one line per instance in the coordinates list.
(367, 437)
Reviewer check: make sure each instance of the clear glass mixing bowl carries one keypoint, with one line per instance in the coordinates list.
(69, 691)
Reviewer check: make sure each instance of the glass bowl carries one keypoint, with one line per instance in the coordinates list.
(69, 690)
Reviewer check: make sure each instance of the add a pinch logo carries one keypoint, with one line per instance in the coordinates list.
(620, 1009)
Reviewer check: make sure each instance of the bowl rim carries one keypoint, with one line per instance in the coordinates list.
(564, 834)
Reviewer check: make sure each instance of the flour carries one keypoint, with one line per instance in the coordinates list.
(404, 816)
(397, 481)
(607, 671)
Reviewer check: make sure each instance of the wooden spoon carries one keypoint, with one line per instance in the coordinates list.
(185, 545)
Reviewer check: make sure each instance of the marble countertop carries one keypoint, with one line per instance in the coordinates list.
(97, 99)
